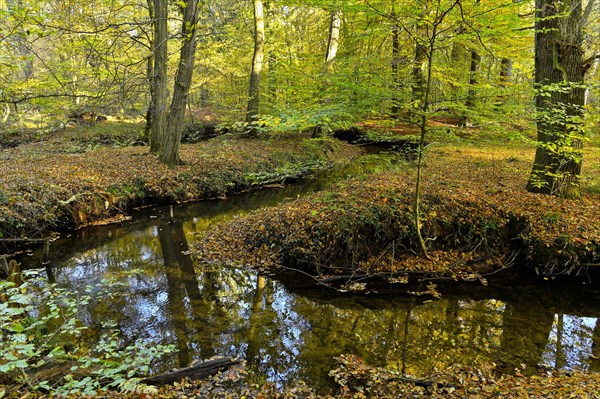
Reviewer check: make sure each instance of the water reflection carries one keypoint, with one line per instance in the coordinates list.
(289, 335)
(157, 294)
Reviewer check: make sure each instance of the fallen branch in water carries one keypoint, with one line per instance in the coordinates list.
(195, 372)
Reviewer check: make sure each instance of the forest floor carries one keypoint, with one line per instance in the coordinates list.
(358, 380)
(477, 218)
(76, 178)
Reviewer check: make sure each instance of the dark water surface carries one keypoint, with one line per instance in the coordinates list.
(287, 333)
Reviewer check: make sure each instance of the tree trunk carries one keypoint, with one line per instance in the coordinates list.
(559, 77)
(475, 63)
(150, 77)
(169, 152)
(395, 67)
(159, 80)
(458, 57)
(196, 372)
(330, 54)
(418, 77)
(334, 39)
(506, 66)
(257, 62)
(505, 77)
(471, 100)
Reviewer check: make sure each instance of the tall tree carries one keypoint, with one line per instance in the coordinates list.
(159, 15)
(150, 77)
(395, 109)
(257, 62)
(426, 49)
(559, 77)
(334, 38)
(333, 42)
(169, 152)
(471, 94)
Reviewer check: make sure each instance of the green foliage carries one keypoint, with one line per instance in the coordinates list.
(552, 218)
(3, 198)
(562, 130)
(39, 320)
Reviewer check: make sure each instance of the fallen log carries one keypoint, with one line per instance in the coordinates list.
(195, 372)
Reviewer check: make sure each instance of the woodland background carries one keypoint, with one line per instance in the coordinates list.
(64, 59)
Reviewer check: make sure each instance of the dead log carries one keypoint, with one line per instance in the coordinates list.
(195, 372)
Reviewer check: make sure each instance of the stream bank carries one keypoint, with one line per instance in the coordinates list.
(160, 296)
(477, 218)
(46, 188)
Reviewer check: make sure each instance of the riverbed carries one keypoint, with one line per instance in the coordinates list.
(288, 331)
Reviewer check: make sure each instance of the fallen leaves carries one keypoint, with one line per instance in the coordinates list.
(44, 188)
(477, 217)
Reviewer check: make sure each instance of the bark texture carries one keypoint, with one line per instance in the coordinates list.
(159, 109)
(559, 77)
(334, 38)
(473, 70)
(169, 152)
(257, 62)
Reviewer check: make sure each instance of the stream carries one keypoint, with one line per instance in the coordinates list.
(288, 333)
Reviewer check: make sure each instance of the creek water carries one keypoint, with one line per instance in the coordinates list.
(288, 333)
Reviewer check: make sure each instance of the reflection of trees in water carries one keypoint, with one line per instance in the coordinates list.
(595, 357)
(178, 315)
(209, 311)
(414, 338)
(571, 342)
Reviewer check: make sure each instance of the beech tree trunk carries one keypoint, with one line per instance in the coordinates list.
(169, 152)
(559, 76)
(395, 109)
(334, 38)
(418, 76)
(475, 64)
(471, 100)
(158, 13)
(332, 47)
(506, 66)
(458, 57)
(257, 62)
(150, 77)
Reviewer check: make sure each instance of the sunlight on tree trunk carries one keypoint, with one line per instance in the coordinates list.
(333, 41)
(257, 63)
(169, 152)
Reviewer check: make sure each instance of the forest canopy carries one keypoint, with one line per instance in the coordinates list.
(61, 57)
(320, 66)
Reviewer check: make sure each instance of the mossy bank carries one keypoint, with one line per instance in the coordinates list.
(46, 187)
(477, 218)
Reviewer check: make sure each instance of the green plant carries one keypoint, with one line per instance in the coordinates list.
(552, 218)
(40, 320)
(3, 198)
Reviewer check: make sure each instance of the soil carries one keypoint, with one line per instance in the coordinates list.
(477, 219)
